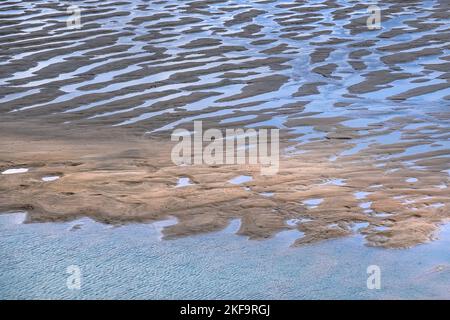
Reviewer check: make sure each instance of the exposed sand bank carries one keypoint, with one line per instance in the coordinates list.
(117, 176)
(364, 114)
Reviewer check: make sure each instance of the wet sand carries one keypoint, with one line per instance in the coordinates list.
(120, 177)
(364, 115)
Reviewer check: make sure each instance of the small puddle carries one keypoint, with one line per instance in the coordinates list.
(335, 182)
(183, 182)
(240, 180)
(295, 222)
(383, 215)
(50, 178)
(14, 171)
(380, 228)
(361, 195)
(267, 194)
(313, 203)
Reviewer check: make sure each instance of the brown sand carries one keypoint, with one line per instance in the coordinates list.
(117, 176)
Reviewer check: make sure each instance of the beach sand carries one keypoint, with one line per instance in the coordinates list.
(116, 177)
(363, 115)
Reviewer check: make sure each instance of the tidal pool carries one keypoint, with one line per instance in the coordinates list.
(132, 262)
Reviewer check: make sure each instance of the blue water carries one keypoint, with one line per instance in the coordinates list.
(132, 261)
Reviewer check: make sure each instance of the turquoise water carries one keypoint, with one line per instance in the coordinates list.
(131, 262)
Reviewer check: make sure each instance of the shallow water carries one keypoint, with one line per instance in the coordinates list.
(240, 180)
(183, 182)
(133, 262)
(50, 178)
(15, 171)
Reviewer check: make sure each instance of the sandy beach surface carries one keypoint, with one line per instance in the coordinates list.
(364, 115)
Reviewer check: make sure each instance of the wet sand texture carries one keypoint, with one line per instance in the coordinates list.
(95, 106)
(133, 180)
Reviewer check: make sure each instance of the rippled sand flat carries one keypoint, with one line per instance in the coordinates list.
(364, 114)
